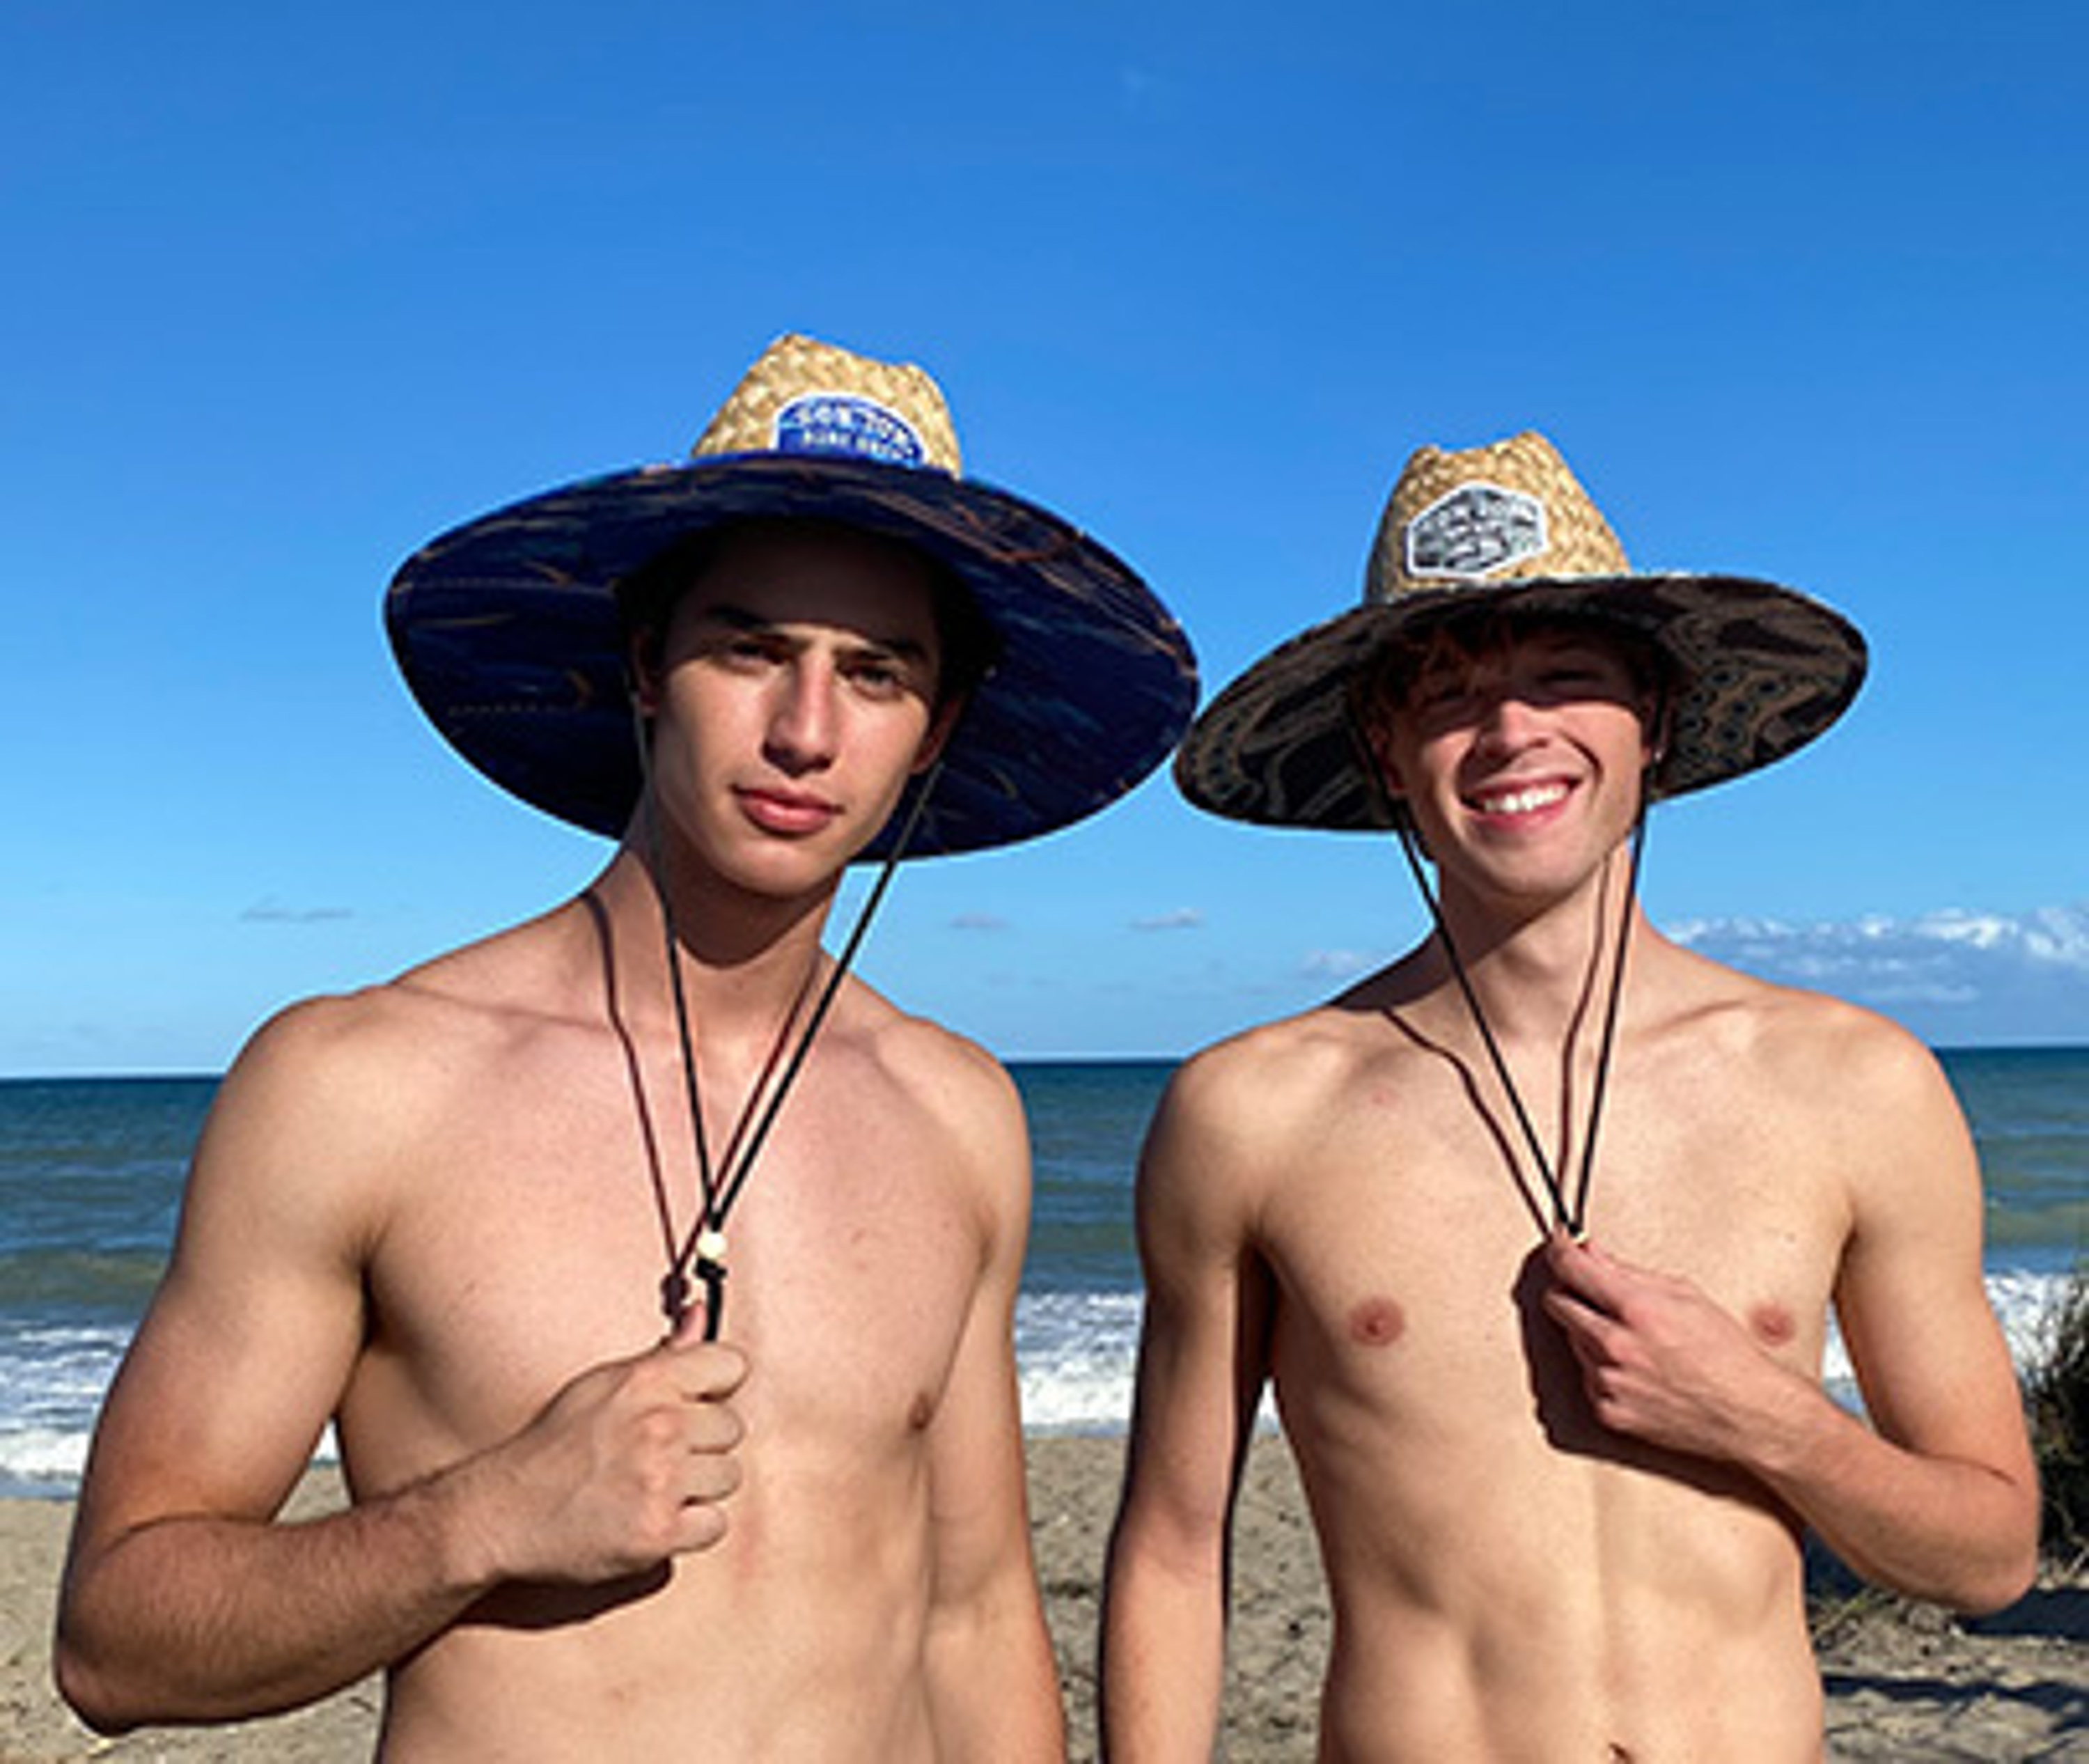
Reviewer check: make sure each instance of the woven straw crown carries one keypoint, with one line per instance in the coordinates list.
(1755, 670)
(796, 374)
(1473, 497)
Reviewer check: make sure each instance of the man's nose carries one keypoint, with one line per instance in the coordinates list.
(1507, 709)
(804, 722)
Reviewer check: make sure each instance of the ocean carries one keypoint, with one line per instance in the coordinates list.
(91, 1172)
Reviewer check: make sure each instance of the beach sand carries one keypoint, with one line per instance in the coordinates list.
(1904, 1683)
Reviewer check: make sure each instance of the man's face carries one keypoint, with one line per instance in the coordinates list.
(1519, 759)
(795, 695)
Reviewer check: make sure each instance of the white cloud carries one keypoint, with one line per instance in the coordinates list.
(1337, 964)
(1950, 975)
(275, 912)
(1181, 919)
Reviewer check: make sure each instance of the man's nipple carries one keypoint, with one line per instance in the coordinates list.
(1377, 1322)
(1773, 1324)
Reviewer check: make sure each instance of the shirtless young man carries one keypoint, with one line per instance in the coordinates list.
(1560, 1485)
(467, 1215)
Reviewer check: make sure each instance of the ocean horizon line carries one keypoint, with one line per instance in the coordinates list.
(177, 1075)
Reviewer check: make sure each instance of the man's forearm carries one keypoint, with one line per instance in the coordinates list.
(1956, 1532)
(993, 1685)
(192, 1618)
(1162, 1663)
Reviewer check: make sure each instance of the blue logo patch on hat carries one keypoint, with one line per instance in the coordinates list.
(1474, 530)
(841, 423)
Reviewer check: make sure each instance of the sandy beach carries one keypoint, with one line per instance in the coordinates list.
(1904, 1683)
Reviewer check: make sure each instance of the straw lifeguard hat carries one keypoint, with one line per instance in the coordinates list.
(1755, 670)
(506, 628)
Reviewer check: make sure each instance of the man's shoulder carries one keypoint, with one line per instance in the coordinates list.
(1276, 1074)
(926, 1063)
(1285, 1048)
(1795, 1038)
(444, 1021)
(347, 1061)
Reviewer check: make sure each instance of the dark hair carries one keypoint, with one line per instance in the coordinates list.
(646, 597)
(1394, 666)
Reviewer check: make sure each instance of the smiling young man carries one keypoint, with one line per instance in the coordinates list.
(656, 1274)
(1537, 1231)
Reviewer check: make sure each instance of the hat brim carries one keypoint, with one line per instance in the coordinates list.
(508, 633)
(1758, 672)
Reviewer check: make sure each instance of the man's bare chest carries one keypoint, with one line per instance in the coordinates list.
(536, 1241)
(1405, 1250)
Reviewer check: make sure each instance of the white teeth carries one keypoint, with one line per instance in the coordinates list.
(1523, 801)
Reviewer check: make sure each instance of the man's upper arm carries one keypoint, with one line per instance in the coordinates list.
(993, 1687)
(247, 1344)
(1202, 1350)
(1910, 1297)
(976, 1471)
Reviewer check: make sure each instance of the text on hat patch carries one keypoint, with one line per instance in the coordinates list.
(1474, 531)
(842, 422)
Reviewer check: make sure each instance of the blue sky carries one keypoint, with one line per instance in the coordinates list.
(1799, 289)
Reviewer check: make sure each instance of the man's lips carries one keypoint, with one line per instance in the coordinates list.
(786, 811)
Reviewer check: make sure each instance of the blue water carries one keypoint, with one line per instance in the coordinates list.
(91, 1172)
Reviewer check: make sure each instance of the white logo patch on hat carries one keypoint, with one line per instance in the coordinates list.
(843, 422)
(1474, 531)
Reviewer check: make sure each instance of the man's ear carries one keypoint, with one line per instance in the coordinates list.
(1378, 741)
(645, 667)
(937, 735)
(1657, 724)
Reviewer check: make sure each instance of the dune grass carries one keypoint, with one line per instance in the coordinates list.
(2056, 1399)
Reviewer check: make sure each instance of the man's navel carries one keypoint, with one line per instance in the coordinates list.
(1377, 1322)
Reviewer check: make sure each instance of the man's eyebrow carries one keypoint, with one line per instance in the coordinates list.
(1581, 643)
(738, 618)
(725, 612)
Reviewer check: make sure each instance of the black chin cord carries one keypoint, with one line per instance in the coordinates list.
(1571, 1216)
(702, 1253)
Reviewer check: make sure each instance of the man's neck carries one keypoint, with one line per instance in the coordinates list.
(1535, 968)
(745, 959)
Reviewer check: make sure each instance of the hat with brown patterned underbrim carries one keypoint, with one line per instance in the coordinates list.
(1757, 670)
(508, 631)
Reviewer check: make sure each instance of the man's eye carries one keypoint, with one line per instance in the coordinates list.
(879, 679)
(1445, 695)
(1577, 680)
(754, 651)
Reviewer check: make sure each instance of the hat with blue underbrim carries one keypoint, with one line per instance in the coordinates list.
(1754, 671)
(508, 631)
